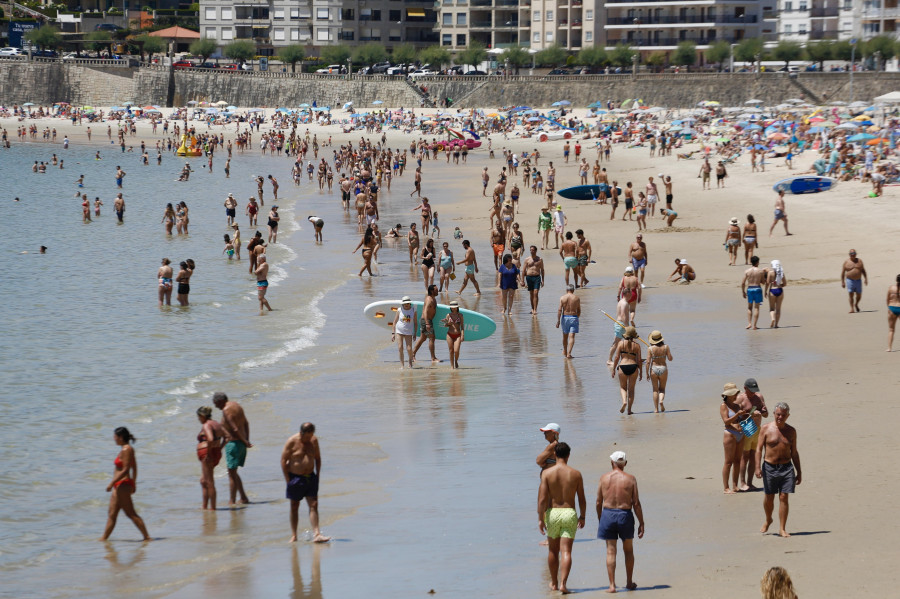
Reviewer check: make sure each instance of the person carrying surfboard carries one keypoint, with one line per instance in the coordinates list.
(406, 324)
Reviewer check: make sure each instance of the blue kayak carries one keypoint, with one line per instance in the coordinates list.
(585, 192)
(806, 184)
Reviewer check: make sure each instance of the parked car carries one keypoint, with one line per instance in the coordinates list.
(476, 72)
(183, 64)
(408, 68)
(108, 27)
(209, 65)
(422, 73)
(558, 72)
(380, 68)
(44, 54)
(229, 67)
(333, 69)
(10, 51)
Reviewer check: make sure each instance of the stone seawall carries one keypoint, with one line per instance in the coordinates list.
(49, 82)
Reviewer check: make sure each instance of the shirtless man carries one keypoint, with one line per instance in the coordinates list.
(780, 214)
(533, 271)
(417, 187)
(471, 268)
(667, 181)
(853, 274)
(752, 401)
(751, 289)
(371, 210)
(361, 198)
(684, 272)
(567, 253)
(637, 253)
(119, 207)
(630, 289)
(652, 195)
(776, 462)
(230, 209)
(237, 435)
(617, 496)
(619, 326)
(429, 309)
(498, 244)
(705, 170)
(583, 252)
(120, 175)
(346, 188)
(485, 179)
(301, 464)
(560, 484)
(568, 315)
(262, 283)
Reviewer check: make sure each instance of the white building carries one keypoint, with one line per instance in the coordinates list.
(813, 20)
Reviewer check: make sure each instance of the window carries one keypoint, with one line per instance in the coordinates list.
(788, 6)
(549, 16)
(295, 34)
(447, 39)
(321, 14)
(549, 36)
(446, 19)
(278, 34)
(588, 15)
(461, 18)
(588, 36)
(802, 4)
(787, 28)
(305, 13)
(278, 14)
(210, 32)
(394, 16)
(460, 39)
(227, 14)
(348, 14)
(537, 16)
(210, 14)
(376, 15)
(295, 13)
(536, 38)
(322, 34)
(227, 33)
(802, 28)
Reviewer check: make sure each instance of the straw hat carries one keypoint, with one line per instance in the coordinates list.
(454, 304)
(730, 390)
(630, 333)
(655, 337)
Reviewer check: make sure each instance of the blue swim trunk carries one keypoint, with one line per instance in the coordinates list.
(570, 262)
(235, 454)
(615, 524)
(620, 331)
(569, 324)
(854, 285)
(754, 295)
(638, 263)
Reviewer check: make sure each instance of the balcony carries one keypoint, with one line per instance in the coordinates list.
(826, 34)
(507, 25)
(824, 12)
(524, 24)
(480, 2)
(669, 41)
(498, 3)
(480, 25)
(677, 20)
(884, 13)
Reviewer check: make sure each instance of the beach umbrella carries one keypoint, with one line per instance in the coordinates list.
(837, 103)
(858, 104)
(753, 102)
(843, 126)
(221, 103)
(193, 103)
(305, 105)
(816, 119)
(231, 107)
(127, 103)
(377, 102)
(722, 140)
(878, 140)
(255, 110)
(861, 137)
(212, 111)
(794, 100)
(348, 105)
(151, 110)
(710, 103)
(777, 135)
(754, 127)
(595, 105)
(28, 104)
(562, 103)
(534, 119)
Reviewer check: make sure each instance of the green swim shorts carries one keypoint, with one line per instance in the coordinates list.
(561, 522)
(235, 454)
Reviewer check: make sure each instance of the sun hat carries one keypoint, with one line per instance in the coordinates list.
(454, 304)
(618, 457)
(655, 337)
(733, 221)
(730, 389)
(558, 208)
(683, 261)
(552, 426)
(630, 333)
(405, 299)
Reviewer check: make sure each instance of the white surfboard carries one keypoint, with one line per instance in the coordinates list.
(477, 326)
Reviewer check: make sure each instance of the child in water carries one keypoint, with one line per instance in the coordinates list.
(97, 204)
(229, 247)
(457, 234)
(434, 225)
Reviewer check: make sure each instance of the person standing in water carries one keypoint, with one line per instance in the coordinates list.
(567, 317)
(164, 276)
(429, 309)
(123, 485)
(406, 323)
(209, 452)
(262, 283)
(301, 464)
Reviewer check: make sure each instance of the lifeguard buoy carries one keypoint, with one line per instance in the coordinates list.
(567, 135)
(543, 137)
(440, 147)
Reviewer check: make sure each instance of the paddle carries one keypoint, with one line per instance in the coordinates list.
(623, 326)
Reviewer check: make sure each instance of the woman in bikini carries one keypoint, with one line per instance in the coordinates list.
(183, 219)
(893, 303)
(123, 485)
(455, 332)
(412, 238)
(183, 278)
(750, 242)
(367, 243)
(169, 218)
(627, 361)
(428, 262)
(516, 243)
(775, 282)
(209, 452)
(657, 371)
(164, 276)
(733, 437)
(732, 240)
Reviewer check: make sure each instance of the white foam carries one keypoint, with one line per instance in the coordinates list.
(190, 387)
(298, 339)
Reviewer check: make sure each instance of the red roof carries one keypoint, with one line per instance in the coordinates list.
(177, 33)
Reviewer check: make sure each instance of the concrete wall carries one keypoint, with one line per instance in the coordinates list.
(48, 82)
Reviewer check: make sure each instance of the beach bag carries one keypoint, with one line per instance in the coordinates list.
(748, 425)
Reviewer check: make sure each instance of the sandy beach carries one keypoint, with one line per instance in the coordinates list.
(471, 527)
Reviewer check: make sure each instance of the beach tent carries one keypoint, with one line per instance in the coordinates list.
(891, 98)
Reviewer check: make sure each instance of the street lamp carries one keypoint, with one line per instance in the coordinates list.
(349, 68)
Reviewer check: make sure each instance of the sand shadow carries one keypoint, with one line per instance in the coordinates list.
(620, 589)
(808, 533)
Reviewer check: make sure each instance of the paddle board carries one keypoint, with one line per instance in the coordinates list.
(800, 185)
(584, 192)
(477, 326)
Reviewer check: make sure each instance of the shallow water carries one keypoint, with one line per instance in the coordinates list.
(428, 476)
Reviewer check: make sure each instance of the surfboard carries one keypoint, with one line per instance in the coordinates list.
(477, 326)
(584, 192)
(801, 185)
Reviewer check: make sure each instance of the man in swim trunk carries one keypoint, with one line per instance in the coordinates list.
(119, 207)
(617, 496)
(237, 435)
(776, 461)
(429, 309)
(853, 273)
(262, 283)
(567, 316)
(533, 269)
(567, 253)
(780, 214)
(637, 252)
(556, 514)
(751, 289)
(301, 464)
(753, 402)
(619, 326)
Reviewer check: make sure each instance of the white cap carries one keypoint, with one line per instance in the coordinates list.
(618, 457)
(683, 261)
(405, 299)
(551, 427)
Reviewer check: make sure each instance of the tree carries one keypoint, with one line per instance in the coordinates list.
(243, 50)
(436, 56)
(404, 54)
(718, 53)
(749, 50)
(552, 55)
(656, 60)
(204, 48)
(335, 54)
(44, 37)
(99, 40)
(292, 54)
(685, 54)
(883, 44)
(517, 56)
(820, 52)
(787, 51)
(842, 50)
(621, 55)
(474, 55)
(369, 54)
(593, 57)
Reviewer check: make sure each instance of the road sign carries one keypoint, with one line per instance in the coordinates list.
(852, 41)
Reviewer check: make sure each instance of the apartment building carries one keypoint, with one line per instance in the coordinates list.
(571, 24)
(875, 17)
(813, 20)
(313, 23)
(493, 23)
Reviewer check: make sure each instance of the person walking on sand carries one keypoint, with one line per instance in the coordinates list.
(627, 360)
(124, 485)
(853, 274)
(780, 214)
(429, 309)
(405, 325)
(893, 304)
(657, 370)
(568, 315)
(301, 464)
(731, 413)
(752, 402)
(775, 282)
(209, 452)
(471, 268)
(732, 240)
(705, 170)
(237, 435)
(560, 485)
(638, 254)
(618, 503)
(778, 464)
(751, 289)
